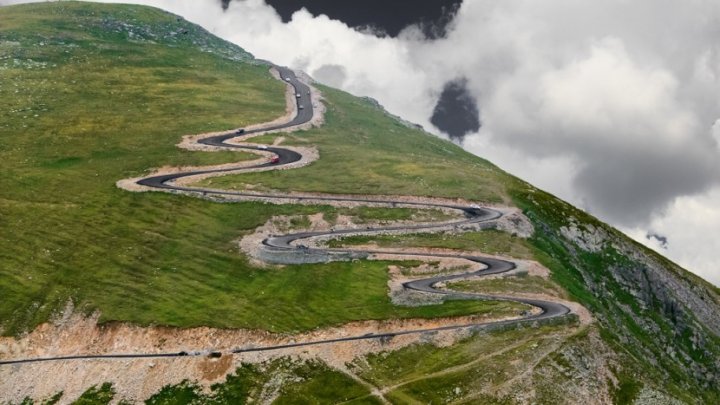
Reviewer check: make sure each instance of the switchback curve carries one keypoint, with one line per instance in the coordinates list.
(473, 215)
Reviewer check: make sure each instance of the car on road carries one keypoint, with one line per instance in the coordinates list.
(297, 95)
(287, 79)
(301, 106)
(263, 147)
(275, 159)
(240, 131)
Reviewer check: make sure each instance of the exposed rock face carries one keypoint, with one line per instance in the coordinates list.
(515, 223)
(678, 314)
(179, 32)
(586, 237)
(649, 396)
(583, 364)
(647, 279)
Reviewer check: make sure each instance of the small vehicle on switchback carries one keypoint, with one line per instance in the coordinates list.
(275, 160)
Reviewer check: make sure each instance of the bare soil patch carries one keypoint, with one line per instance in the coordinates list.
(137, 379)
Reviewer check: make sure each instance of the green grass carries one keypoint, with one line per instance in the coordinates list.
(310, 382)
(183, 393)
(419, 360)
(102, 108)
(489, 241)
(319, 384)
(52, 400)
(478, 378)
(424, 373)
(269, 139)
(377, 155)
(385, 215)
(96, 395)
(627, 389)
(508, 285)
(360, 215)
(363, 215)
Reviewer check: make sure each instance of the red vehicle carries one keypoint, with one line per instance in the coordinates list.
(275, 159)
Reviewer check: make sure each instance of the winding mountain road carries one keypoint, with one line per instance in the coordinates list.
(472, 215)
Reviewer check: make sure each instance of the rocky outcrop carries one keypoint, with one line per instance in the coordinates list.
(515, 223)
(678, 314)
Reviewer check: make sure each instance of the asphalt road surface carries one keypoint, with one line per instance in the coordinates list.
(472, 215)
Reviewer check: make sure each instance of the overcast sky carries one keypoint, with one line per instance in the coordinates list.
(612, 105)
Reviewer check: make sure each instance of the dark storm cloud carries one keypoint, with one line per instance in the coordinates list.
(456, 112)
(630, 187)
(377, 16)
(662, 240)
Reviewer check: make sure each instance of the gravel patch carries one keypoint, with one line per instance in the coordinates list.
(137, 379)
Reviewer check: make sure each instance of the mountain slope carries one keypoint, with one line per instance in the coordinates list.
(95, 93)
(108, 108)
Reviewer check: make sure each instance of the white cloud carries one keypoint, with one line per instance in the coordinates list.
(691, 225)
(637, 146)
(587, 101)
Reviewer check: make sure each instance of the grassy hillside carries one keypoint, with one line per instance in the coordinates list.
(90, 94)
(364, 150)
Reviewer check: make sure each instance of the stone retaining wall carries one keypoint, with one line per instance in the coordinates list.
(304, 256)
